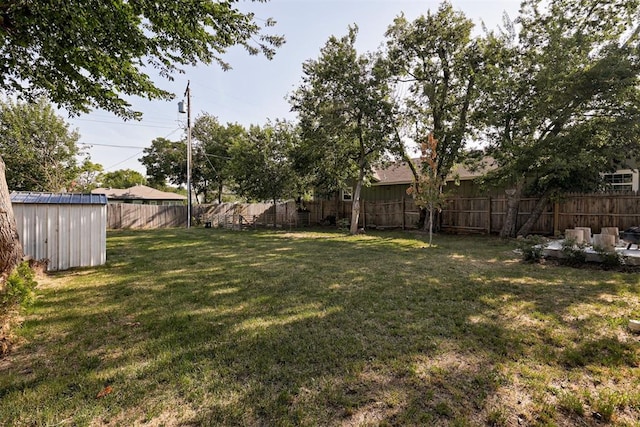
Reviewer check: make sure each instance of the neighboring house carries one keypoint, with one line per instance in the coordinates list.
(141, 195)
(391, 182)
(622, 180)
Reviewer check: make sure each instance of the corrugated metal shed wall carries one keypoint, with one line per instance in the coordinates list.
(67, 234)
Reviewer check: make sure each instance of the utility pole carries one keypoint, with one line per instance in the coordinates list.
(187, 93)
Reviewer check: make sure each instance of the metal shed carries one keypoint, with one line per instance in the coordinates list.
(70, 230)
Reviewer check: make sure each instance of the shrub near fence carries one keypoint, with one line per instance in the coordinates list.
(477, 214)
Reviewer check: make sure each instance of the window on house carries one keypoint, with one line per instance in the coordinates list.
(619, 181)
(347, 194)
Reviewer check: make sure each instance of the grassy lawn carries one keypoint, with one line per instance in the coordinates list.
(209, 327)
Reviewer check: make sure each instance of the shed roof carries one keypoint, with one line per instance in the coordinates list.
(138, 192)
(25, 197)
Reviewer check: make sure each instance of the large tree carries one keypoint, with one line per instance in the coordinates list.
(38, 147)
(211, 157)
(345, 116)
(83, 54)
(435, 61)
(261, 164)
(166, 162)
(562, 102)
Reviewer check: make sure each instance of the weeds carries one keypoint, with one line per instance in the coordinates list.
(343, 224)
(606, 404)
(19, 287)
(571, 404)
(532, 248)
(18, 292)
(609, 259)
(573, 253)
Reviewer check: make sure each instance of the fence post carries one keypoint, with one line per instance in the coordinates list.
(363, 214)
(403, 212)
(556, 218)
(489, 215)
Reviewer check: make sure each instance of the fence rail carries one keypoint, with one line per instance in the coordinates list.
(470, 214)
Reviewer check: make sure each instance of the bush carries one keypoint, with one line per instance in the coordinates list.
(19, 288)
(609, 259)
(343, 224)
(532, 248)
(573, 253)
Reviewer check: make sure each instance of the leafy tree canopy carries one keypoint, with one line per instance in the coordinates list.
(261, 163)
(38, 147)
(88, 176)
(436, 60)
(83, 54)
(121, 178)
(166, 162)
(346, 116)
(561, 99)
(212, 157)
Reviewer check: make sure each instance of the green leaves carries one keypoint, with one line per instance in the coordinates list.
(121, 178)
(556, 100)
(345, 113)
(261, 163)
(166, 161)
(211, 153)
(85, 54)
(437, 58)
(38, 148)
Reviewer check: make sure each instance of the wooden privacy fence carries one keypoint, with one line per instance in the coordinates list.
(127, 215)
(470, 214)
(249, 215)
(487, 214)
(230, 215)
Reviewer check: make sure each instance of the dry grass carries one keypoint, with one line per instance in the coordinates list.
(207, 327)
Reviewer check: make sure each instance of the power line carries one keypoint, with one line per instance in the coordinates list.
(111, 145)
(121, 162)
(125, 124)
(125, 146)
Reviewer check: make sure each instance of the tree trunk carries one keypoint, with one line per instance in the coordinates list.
(525, 230)
(511, 219)
(10, 248)
(431, 208)
(219, 193)
(355, 209)
(422, 221)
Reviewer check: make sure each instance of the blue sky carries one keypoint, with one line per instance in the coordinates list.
(256, 89)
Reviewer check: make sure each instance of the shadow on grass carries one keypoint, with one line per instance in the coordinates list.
(264, 328)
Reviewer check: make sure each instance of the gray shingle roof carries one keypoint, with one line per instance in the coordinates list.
(141, 192)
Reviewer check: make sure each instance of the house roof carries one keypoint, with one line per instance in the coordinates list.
(400, 172)
(140, 192)
(23, 197)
